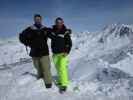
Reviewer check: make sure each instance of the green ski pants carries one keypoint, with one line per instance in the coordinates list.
(61, 64)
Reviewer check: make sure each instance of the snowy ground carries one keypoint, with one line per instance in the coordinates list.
(100, 68)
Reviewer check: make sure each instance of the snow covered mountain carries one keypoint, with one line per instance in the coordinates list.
(100, 67)
(11, 51)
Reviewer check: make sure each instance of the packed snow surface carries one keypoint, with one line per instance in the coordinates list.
(100, 68)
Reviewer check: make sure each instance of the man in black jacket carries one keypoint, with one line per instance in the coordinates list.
(36, 37)
(61, 45)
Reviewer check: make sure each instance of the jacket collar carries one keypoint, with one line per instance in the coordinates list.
(35, 28)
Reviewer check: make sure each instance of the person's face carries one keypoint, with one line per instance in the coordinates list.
(59, 24)
(38, 20)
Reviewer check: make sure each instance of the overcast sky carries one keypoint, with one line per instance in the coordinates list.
(80, 15)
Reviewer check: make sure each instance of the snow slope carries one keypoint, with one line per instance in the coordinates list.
(100, 68)
(11, 51)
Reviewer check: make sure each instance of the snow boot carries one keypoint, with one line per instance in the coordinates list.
(62, 89)
(48, 86)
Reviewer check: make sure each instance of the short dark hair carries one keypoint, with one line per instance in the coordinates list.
(58, 18)
(37, 15)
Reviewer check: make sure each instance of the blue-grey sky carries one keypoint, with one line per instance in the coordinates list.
(80, 15)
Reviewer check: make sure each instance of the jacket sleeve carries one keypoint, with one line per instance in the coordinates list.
(50, 33)
(68, 41)
(24, 37)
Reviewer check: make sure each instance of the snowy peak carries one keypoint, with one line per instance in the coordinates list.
(119, 28)
(116, 31)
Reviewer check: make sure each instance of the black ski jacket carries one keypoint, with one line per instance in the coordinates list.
(36, 39)
(61, 40)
